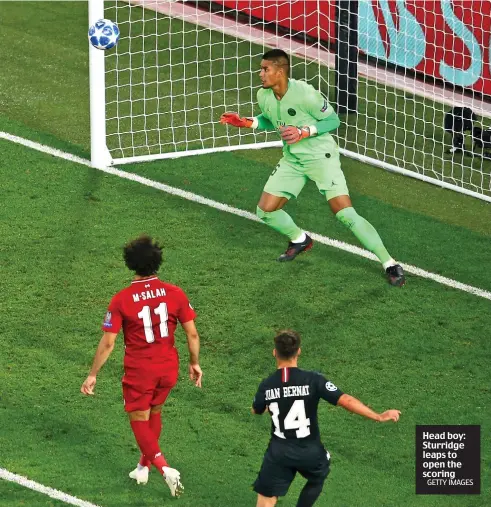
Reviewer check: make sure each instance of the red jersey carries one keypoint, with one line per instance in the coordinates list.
(148, 310)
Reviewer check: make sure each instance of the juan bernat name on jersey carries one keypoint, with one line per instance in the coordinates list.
(148, 294)
(288, 391)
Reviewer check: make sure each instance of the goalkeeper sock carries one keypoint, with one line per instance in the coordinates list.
(155, 423)
(365, 233)
(280, 221)
(301, 238)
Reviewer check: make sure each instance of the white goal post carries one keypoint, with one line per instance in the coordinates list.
(181, 63)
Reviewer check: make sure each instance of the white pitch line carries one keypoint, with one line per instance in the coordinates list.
(242, 213)
(45, 490)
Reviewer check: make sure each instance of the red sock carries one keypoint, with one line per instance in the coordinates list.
(148, 444)
(155, 423)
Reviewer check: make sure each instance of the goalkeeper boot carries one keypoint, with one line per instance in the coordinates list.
(173, 479)
(296, 248)
(139, 474)
(395, 274)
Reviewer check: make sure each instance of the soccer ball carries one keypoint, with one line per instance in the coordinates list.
(104, 34)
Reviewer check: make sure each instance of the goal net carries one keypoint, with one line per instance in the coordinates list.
(180, 64)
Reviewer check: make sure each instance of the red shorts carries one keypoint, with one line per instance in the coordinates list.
(144, 388)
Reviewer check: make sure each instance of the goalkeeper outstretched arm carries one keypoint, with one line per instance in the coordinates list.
(293, 134)
(256, 122)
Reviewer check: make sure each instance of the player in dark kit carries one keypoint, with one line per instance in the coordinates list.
(291, 396)
(148, 312)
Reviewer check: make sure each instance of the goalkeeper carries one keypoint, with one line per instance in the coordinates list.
(304, 118)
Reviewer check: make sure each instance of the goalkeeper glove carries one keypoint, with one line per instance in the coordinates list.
(235, 120)
(292, 134)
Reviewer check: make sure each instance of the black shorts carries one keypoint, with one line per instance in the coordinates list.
(283, 460)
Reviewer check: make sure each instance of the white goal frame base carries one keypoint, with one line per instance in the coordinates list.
(201, 151)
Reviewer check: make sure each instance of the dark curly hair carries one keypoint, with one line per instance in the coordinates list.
(143, 255)
(286, 344)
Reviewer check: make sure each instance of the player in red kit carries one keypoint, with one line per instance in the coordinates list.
(148, 312)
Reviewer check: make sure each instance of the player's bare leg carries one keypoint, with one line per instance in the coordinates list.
(366, 234)
(149, 446)
(269, 210)
(266, 501)
(270, 202)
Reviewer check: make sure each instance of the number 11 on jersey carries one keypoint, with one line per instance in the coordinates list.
(146, 316)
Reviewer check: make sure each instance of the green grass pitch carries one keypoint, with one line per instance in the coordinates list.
(424, 349)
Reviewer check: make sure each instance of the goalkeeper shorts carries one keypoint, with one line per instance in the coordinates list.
(289, 177)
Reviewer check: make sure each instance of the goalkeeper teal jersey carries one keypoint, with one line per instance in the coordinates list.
(301, 106)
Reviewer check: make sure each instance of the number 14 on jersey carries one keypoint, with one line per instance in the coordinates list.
(296, 419)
